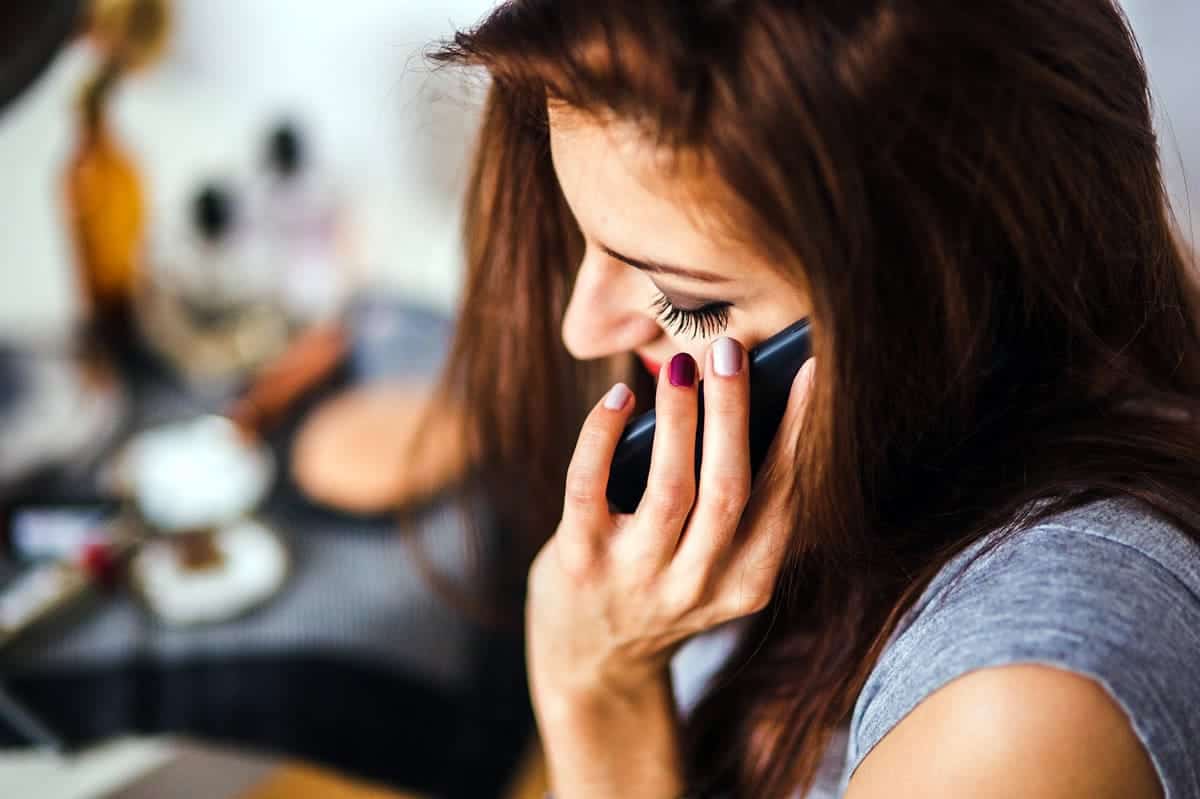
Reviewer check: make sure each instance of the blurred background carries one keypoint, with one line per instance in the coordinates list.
(228, 275)
(392, 134)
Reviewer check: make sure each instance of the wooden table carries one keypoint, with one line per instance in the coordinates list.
(302, 782)
(195, 769)
(198, 770)
(151, 768)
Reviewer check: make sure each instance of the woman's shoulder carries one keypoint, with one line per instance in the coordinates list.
(1068, 564)
(1109, 591)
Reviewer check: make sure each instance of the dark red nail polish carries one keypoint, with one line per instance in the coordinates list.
(682, 371)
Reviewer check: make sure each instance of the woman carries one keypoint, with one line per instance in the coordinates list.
(970, 567)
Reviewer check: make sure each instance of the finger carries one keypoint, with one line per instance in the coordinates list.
(725, 463)
(671, 485)
(768, 526)
(585, 503)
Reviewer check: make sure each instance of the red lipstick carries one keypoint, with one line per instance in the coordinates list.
(652, 366)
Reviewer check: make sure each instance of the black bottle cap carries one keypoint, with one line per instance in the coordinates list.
(285, 149)
(213, 211)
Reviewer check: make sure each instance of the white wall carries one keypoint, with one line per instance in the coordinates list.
(394, 133)
(1168, 31)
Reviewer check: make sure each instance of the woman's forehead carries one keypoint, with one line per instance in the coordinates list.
(632, 195)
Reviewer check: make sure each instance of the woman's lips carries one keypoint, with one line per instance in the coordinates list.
(652, 366)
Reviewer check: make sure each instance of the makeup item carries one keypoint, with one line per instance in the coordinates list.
(207, 302)
(136, 32)
(105, 195)
(379, 447)
(38, 593)
(106, 215)
(773, 366)
(222, 266)
(243, 565)
(47, 590)
(48, 531)
(195, 474)
(303, 224)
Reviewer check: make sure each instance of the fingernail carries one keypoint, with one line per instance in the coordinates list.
(617, 396)
(682, 371)
(727, 357)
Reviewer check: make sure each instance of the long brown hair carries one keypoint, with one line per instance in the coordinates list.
(971, 194)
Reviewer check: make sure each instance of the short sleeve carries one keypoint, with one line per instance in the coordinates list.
(1116, 605)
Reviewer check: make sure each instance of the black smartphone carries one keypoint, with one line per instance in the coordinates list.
(773, 366)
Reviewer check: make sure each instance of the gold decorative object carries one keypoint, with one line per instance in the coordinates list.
(104, 194)
(135, 32)
(106, 213)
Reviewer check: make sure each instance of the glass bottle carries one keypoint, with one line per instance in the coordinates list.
(106, 216)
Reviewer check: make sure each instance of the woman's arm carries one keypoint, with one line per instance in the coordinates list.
(1024, 730)
(600, 745)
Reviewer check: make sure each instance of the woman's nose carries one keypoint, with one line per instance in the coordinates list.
(609, 311)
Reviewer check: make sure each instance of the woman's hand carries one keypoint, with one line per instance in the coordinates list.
(611, 596)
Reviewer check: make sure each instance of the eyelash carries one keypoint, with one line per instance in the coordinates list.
(703, 322)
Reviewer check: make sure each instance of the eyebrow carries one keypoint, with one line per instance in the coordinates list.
(665, 269)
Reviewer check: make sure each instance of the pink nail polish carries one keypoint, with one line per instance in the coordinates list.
(617, 396)
(726, 357)
(682, 371)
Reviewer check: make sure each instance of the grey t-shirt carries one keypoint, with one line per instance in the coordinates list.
(1109, 591)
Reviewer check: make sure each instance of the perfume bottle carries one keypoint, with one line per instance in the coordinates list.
(106, 216)
(104, 192)
(208, 301)
(220, 263)
(301, 221)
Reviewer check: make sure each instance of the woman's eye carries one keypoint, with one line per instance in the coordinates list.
(702, 322)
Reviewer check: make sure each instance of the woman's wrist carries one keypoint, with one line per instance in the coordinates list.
(596, 706)
(601, 742)
(584, 691)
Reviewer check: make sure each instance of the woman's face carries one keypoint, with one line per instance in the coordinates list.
(655, 279)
